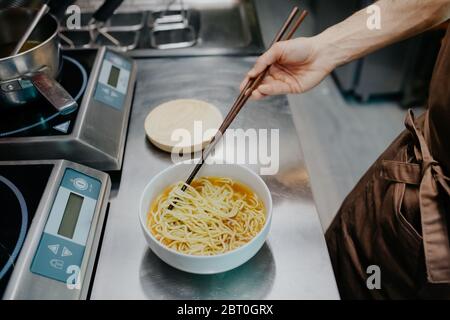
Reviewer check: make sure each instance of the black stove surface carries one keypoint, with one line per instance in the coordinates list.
(40, 118)
(21, 189)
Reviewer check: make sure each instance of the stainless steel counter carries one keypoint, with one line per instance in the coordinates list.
(294, 262)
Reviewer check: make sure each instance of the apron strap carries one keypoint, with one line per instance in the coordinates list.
(428, 175)
(403, 172)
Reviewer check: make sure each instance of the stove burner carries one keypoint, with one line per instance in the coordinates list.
(41, 116)
(7, 259)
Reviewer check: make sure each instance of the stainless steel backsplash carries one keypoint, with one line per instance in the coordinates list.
(126, 5)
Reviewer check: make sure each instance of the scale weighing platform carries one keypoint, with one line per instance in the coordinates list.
(51, 221)
(102, 82)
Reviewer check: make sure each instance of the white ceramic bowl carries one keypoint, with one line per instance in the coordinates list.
(205, 264)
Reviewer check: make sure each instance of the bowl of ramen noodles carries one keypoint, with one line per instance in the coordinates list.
(216, 224)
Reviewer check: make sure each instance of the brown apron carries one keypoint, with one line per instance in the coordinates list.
(397, 217)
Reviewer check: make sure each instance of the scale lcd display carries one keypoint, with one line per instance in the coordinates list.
(70, 216)
(113, 76)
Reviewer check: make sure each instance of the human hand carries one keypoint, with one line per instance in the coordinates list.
(295, 66)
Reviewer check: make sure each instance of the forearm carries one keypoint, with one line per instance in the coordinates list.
(400, 19)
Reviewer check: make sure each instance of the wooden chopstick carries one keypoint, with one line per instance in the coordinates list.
(296, 25)
(277, 38)
(245, 94)
(252, 85)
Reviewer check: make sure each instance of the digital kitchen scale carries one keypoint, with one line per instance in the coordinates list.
(102, 81)
(52, 214)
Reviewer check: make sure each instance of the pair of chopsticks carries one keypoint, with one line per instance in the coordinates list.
(245, 93)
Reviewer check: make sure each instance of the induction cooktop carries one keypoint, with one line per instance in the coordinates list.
(20, 197)
(102, 81)
(40, 118)
(52, 214)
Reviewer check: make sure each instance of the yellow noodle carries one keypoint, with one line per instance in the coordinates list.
(214, 215)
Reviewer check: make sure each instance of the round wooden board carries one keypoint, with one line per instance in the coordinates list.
(186, 124)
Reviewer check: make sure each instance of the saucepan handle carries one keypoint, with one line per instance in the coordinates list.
(60, 99)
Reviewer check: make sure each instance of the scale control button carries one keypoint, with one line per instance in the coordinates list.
(66, 252)
(62, 127)
(80, 184)
(54, 248)
(47, 264)
(57, 264)
(11, 86)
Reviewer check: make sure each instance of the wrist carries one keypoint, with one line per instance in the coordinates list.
(329, 46)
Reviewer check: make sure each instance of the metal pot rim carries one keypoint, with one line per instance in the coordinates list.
(43, 43)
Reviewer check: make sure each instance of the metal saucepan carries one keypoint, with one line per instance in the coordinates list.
(33, 70)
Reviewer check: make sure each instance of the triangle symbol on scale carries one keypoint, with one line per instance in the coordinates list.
(66, 252)
(62, 127)
(54, 248)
